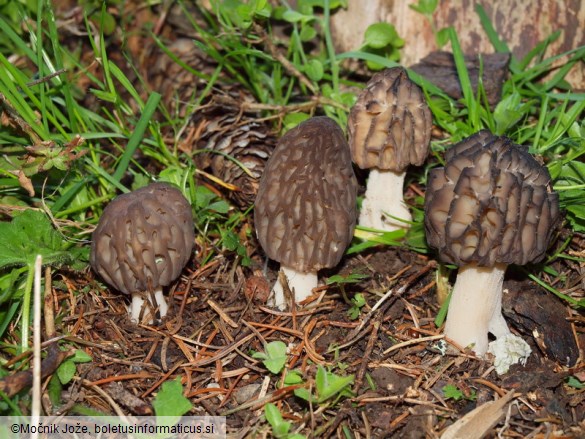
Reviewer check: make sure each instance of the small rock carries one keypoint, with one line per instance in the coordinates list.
(391, 381)
(246, 393)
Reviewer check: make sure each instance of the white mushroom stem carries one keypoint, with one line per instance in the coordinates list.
(476, 307)
(300, 284)
(138, 302)
(475, 310)
(383, 200)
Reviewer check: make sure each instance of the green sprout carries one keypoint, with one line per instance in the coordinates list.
(274, 357)
(453, 392)
(280, 427)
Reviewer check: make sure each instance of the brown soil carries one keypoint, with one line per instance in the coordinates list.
(398, 391)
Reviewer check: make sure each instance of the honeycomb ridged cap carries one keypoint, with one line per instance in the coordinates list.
(143, 239)
(305, 210)
(390, 124)
(492, 203)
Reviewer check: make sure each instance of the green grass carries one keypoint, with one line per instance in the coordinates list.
(69, 159)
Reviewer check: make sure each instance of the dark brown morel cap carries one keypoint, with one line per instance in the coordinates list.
(143, 239)
(491, 203)
(305, 211)
(390, 124)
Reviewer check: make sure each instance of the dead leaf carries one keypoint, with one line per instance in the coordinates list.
(478, 422)
(25, 183)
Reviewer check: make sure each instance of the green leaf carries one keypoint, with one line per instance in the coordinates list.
(291, 120)
(359, 300)
(452, 392)
(80, 357)
(308, 32)
(275, 356)
(575, 383)
(272, 414)
(30, 234)
(9, 284)
(442, 37)
(570, 185)
(230, 240)
(174, 175)
(236, 12)
(293, 377)
(7, 313)
(425, 7)
(380, 35)
(353, 312)
(352, 278)
(494, 36)
(572, 173)
(314, 70)
(54, 390)
(203, 197)
(576, 216)
(328, 384)
(262, 8)
(371, 382)
(508, 112)
(170, 400)
(66, 371)
(294, 16)
(220, 206)
(280, 427)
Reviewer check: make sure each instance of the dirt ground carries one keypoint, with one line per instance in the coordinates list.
(394, 353)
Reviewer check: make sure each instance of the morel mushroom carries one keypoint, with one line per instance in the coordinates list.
(490, 206)
(389, 129)
(141, 244)
(305, 211)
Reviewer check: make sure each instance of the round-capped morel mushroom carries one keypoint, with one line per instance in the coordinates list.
(305, 210)
(389, 129)
(492, 205)
(141, 244)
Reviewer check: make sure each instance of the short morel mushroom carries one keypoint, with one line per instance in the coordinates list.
(305, 211)
(141, 244)
(389, 129)
(492, 205)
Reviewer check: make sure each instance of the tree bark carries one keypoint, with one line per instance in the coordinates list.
(519, 23)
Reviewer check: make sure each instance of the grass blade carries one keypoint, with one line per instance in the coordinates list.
(137, 135)
(467, 89)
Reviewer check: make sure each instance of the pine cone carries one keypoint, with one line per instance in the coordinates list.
(226, 132)
(176, 85)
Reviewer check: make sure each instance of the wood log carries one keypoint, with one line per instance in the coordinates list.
(520, 23)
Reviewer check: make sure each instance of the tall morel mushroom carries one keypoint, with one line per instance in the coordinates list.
(141, 244)
(305, 211)
(389, 129)
(492, 205)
